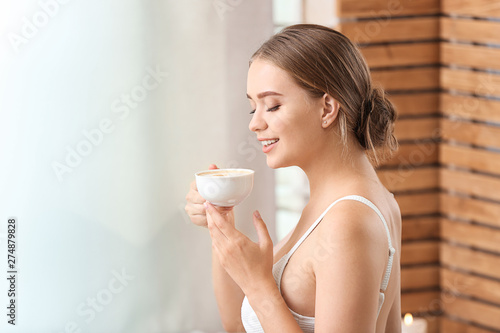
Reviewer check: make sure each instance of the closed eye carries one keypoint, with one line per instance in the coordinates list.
(274, 108)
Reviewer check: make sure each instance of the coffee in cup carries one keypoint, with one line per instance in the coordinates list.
(225, 187)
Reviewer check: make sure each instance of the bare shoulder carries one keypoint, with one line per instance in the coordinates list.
(358, 222)
(351, 220)
(355, 229)
(360, 213)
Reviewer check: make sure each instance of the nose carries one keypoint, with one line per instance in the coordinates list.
(257, 123)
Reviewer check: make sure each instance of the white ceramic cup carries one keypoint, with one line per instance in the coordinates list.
(225, 187)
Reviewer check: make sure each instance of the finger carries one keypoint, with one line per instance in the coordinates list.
(194, 196)
(196, 215)
(195, 209)
(200, 221)
(212, 167)
(262, 232)
(217, 236)
(225, 227)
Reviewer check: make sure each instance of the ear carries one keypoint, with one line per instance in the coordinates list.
(330, 110)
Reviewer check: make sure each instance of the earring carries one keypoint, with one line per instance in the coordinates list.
(324, 122)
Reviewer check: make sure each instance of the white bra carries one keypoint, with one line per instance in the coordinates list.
(250, 319)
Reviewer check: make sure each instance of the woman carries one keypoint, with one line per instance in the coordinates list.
(314, 107)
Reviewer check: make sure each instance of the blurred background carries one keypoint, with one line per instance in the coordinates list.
(107, 109)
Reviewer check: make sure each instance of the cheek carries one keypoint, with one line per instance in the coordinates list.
(279, 124)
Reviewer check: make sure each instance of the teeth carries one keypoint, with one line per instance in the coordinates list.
(268, 142)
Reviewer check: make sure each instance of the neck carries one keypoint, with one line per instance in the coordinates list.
(330, 172)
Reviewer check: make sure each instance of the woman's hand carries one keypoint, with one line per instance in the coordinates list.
(249, 264)
(195, 209)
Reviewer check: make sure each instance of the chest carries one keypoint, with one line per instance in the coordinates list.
(298, 283)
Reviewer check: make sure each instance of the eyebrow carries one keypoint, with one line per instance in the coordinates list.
(265, 93)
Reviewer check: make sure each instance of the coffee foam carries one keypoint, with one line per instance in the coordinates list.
(224, 173)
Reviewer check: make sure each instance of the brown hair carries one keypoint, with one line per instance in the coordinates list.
(323, 60)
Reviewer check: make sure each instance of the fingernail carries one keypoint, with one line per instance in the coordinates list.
(257, 214)
(205, 204)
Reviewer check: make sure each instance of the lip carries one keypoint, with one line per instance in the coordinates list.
(267, 149)
(264, 139)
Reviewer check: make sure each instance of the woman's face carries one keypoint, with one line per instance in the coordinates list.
(286, 120)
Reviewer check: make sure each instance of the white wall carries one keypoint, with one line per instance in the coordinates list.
(119, 211)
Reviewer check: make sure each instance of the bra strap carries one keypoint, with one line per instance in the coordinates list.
(392, 250)
(311, 228)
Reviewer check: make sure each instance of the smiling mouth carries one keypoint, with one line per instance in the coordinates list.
(269, 142)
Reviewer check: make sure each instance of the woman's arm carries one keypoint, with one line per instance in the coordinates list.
(250, 264)
(268, 297)
(271, 309)
(228, 294)
(229, 297)
(394, 318)
(351, 257)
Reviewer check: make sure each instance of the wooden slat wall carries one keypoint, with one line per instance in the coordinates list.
(400, 41)
(470, 166)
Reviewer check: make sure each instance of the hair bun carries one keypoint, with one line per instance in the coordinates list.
(376, 126)
(368, 103)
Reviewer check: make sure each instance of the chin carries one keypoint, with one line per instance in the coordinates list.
(276, 164)
(272, 164)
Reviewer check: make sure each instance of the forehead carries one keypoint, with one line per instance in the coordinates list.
(263, 76)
